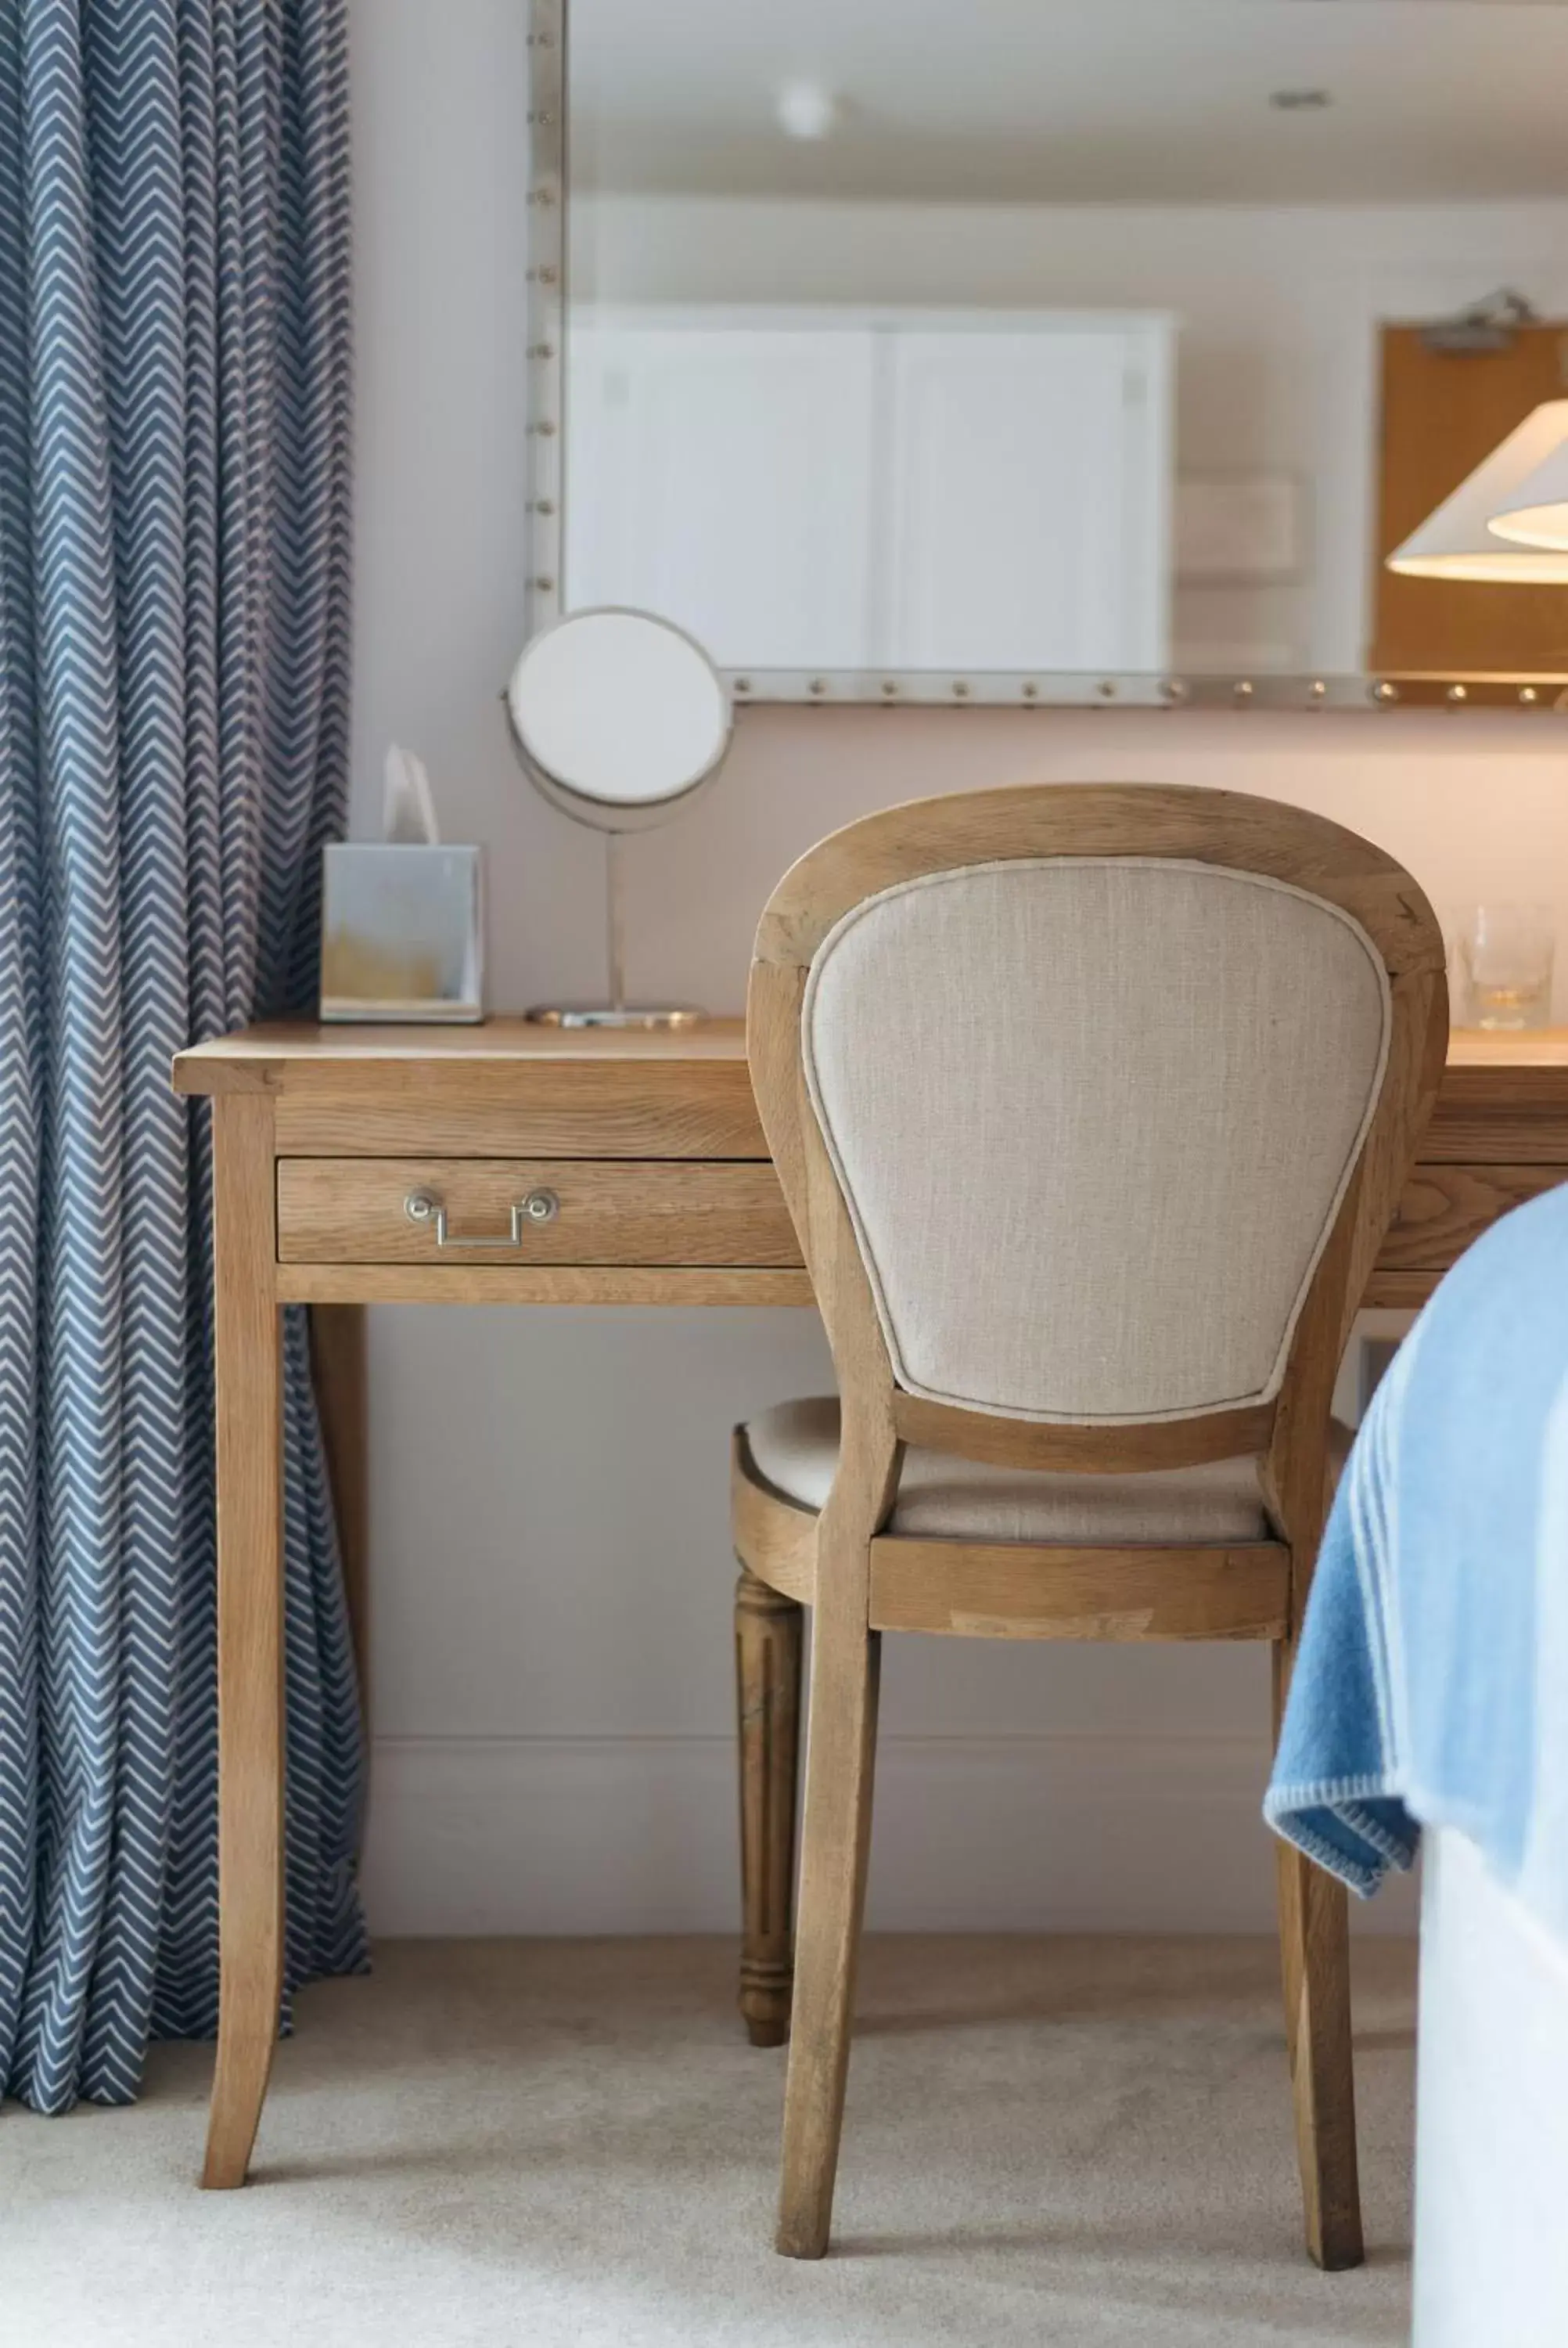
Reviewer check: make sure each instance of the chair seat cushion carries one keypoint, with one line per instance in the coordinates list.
(794, 1447)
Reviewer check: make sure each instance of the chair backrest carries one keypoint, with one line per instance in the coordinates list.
(1107, 1085)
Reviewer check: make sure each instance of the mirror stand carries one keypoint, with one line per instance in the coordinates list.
(620, 720)
(617, 1011)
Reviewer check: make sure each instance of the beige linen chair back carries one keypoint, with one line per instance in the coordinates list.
(1100, 1083)
(1092, 1117)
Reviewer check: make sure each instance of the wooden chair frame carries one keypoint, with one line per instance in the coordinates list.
(863, 1580)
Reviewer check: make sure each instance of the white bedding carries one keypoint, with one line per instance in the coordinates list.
(1492, 2124)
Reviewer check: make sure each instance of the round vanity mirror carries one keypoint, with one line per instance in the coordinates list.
(619, 718)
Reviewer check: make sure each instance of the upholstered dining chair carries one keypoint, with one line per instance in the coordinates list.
(1091, 1105)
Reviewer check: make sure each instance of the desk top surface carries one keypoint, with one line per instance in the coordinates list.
(261, 1058)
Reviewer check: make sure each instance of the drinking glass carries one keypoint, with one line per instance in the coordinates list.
(1504, 957)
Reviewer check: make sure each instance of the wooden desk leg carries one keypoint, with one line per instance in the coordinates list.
(338, 1364)
(250, 1753)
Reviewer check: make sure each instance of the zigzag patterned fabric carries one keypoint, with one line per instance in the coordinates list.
(174, 651)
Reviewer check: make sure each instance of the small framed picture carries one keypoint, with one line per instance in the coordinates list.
(401, 935)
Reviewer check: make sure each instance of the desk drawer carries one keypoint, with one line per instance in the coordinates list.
(1446, 1208)
(473, 1212)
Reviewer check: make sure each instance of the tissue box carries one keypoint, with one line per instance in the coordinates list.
(402, 934)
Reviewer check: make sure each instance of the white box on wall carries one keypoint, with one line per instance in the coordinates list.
(1242, 528)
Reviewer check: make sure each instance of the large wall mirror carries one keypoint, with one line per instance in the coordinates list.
(1048, 350)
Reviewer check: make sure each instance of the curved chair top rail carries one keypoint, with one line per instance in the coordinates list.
(1150, 819)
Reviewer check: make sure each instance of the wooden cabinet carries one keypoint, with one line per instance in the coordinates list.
(897, 490)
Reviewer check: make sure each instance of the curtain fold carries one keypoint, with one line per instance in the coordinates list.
(174, 657)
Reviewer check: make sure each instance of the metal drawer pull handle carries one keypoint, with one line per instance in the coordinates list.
(538, 1207)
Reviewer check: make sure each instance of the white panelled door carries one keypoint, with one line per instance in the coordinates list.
(1027, 499)
(717, 475)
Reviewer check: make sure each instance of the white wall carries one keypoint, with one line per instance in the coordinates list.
(550, 1570)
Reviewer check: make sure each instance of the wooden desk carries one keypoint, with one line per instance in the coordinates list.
(641, 1177)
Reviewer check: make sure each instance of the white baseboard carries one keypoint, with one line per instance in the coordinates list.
(618, 1835)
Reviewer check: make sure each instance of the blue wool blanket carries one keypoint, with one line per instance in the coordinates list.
(1431, 1685)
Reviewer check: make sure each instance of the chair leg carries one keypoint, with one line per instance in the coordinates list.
(1314, 1951)
(840, 1754)
(768, 1629)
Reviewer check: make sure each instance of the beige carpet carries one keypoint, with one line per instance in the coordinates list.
(520, 2143)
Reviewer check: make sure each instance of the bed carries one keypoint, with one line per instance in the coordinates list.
(1431, 1701)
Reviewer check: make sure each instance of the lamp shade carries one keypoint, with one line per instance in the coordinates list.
(1458, 542)
(1537, 512)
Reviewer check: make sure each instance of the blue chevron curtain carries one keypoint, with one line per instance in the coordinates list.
(174, 646)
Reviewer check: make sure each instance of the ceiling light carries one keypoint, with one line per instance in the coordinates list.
(806, 111)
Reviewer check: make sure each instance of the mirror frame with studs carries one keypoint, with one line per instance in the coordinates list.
(548, 326)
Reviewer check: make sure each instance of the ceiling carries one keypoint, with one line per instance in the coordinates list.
(1076, 100)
